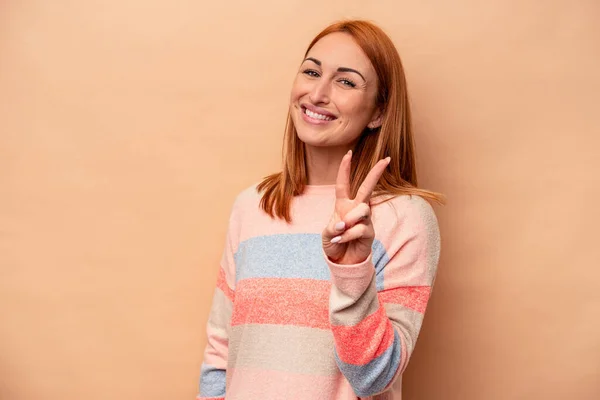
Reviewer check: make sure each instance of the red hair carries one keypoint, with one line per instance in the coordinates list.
(393, 138)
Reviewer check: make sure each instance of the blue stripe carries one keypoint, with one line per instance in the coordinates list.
(281, 256)
(297, 255)
(380, 260)
(372, 378)
(212, 381)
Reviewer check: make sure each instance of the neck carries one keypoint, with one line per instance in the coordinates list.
(323, 163)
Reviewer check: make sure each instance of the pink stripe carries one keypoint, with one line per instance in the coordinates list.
(257, 224)
(299, 302)
(367, 340)
(222, 284)
(216, 350)
(254, 383)
(413, 297)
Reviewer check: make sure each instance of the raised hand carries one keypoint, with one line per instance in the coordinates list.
(348, 237)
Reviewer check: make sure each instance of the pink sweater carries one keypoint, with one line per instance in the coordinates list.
(286, 323)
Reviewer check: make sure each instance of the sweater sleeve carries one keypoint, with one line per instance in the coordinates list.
(214, 367)
(376, 307)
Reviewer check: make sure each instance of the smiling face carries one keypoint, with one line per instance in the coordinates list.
(333, 96)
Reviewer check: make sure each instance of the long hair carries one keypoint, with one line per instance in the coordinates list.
(393, 138)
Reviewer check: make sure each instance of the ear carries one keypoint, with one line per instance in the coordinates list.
(377, 119)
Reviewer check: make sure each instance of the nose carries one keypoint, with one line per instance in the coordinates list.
(319, 93)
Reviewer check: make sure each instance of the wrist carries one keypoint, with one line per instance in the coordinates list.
(352, 279)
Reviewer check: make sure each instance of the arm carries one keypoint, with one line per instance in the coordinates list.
(377, 306)
(214, 367)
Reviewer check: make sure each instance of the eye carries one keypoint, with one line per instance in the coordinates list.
(311, 72)
(347, 82)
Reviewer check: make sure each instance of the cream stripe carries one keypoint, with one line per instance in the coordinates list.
(346, 311)
(407, 321)
(282, 348)
(220, 314)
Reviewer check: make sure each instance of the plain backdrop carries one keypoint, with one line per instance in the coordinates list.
(128, 127)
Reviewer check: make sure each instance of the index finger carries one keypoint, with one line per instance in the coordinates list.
(366, 189)
(342, 183)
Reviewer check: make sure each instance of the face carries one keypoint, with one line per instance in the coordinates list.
(333, 95)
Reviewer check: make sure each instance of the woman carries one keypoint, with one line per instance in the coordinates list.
(328, 265)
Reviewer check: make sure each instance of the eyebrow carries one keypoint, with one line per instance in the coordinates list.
(340, 69)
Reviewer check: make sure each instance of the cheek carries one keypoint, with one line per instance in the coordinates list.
(294, 89)
(354, 106)
(299, 89)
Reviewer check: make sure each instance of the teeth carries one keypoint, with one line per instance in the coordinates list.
(317, 116)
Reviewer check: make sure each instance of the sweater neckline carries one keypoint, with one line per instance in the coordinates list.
(319, 189)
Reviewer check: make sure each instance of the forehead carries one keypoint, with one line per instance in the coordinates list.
(340, 50)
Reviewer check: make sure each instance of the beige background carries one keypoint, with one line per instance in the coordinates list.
(127, 128)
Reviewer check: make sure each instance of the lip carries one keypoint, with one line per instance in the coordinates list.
(317, 110)
(315, 121)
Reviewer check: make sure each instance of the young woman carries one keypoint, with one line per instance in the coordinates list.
(328, 265)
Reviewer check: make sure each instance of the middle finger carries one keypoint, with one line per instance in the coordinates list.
(366, 189)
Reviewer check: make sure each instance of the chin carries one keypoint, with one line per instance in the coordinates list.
(311, 138)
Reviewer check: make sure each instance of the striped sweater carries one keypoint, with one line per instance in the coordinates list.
(287, 323)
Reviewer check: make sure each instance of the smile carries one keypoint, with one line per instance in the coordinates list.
(316, 116)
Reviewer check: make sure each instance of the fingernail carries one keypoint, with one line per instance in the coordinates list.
(388, 159)
(340, 226)
(350, 152)
(336, 239)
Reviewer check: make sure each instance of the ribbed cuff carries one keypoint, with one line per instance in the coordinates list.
(352, 279)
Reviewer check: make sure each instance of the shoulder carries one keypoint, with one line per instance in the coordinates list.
(405, 211)
(247, 196)
(406, 206)
(407, 223)
(246, 201)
